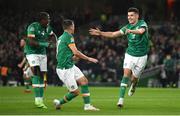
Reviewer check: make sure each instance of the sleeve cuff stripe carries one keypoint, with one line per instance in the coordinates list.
(71, 44)
(122, 32)
(31, 35)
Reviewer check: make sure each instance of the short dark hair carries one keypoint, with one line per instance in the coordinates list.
(67, 23)
(133, 9)
(43, 15)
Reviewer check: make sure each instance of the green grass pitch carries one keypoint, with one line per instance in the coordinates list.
(146, 101)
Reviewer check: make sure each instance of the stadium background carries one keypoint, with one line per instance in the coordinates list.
(162, 17)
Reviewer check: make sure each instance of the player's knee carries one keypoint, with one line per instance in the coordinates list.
(36, 71)
(127, 73)
(76, 92)
(84, 81)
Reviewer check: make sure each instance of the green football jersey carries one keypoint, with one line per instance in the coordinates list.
(64, 54)
(39, 34)
(138, 45)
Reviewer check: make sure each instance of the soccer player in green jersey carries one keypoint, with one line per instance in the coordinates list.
(70, 74)
(36, 45)
(135, 59)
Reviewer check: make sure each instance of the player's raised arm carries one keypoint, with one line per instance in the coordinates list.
(97, 32)
(137, 31)
(77, 53)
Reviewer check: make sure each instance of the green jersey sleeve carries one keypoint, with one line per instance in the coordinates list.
(31, 31)
(70, 40)
(123, 30)
(143, 24)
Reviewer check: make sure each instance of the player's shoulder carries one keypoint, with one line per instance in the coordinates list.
(142, 22)
(33, 26)
(68, 35)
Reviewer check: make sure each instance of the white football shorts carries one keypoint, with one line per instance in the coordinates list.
(136, 64)
(69, 77)
(37, 60)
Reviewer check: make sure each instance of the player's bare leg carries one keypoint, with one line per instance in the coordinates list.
(132, 89)
(45, 79)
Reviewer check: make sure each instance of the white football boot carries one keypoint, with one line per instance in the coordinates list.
(88, 107)
(57, 104)
(120, 102)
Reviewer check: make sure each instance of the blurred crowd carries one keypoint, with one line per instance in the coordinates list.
(165, 51)
(164, 41)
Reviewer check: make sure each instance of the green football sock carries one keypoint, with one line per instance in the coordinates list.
(68, 97)
(27, 87)
(35, 80)
(124, 83)
(27, 83)
(41, 89)
(85, 94)
(36, 92)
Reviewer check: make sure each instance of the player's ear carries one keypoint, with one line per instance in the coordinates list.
(137, 16)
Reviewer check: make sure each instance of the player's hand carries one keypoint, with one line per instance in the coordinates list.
(128, 31)
(95, 32)
(20, 65)
(92, 60)
(22, 43)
